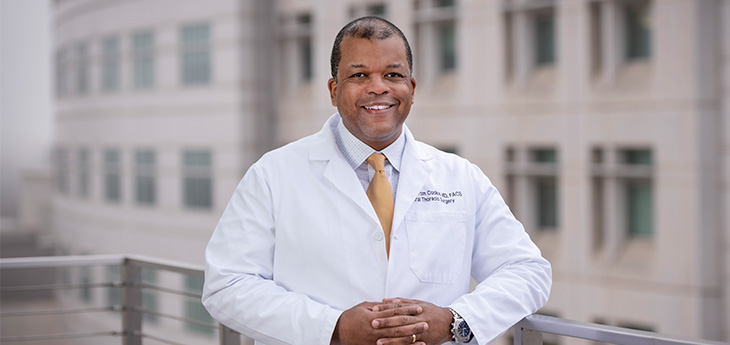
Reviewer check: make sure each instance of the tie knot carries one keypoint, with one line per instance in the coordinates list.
(377, 161)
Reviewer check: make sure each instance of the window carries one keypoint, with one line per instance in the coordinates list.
(194, 309)
(530, 40)
(544, 37)
(82, 68)
(436, 37)
(370, 9)
(112, 175)
(622, 196)
(83, 167)
(143, 48)
(297, 50)
(62, 174)
(532, 186)
(447, 46)
(197, 179)
(305, 48)
(545, 188)
(378, 10)
(61, 73)
(637, 28)
(620, 35)
(195, 54)
(145, 173)
(638, 194)
(110, 64)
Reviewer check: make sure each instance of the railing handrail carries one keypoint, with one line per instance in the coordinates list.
(104, 259)
(603, 333)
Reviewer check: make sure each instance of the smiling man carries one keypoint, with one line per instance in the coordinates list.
(359, 234)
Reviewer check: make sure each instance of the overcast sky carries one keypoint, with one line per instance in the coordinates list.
(25, 94)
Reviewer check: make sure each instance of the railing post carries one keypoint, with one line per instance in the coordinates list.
(526, 336)
(131, 303)
(228, 336)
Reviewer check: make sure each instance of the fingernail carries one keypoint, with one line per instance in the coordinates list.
(376, 323)
(425, 327)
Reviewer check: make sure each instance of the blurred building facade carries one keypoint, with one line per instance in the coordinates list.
(604, 123)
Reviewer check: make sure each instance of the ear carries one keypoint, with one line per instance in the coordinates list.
(413, 90)
(332, 86)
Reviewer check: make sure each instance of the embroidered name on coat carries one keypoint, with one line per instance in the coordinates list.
(436, 196)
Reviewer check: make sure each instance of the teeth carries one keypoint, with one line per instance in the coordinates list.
(378, 107)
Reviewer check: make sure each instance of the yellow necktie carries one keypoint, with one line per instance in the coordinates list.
(381, 195)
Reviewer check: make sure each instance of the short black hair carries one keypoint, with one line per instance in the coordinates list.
(369, 27)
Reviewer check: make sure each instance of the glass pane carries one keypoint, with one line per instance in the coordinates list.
(82, 68)
(143, 44)
(305, 51)
(637, 157)
(447, 44)
(197, 158)
(545, 156)
(195, 33)
(146, 190)
(110, 64)
(198, 192)
(83, 172)
(639, 204)
(638, 30)
(544, 39)
(376, 10)
(547, 203)
(195, 54)
(62, 171)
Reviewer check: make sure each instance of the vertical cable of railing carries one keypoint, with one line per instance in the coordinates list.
(132, 302)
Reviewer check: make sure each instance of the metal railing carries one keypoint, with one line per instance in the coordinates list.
(528, 331)
(131, 306)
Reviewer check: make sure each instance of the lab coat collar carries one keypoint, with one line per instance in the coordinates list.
(415, 170)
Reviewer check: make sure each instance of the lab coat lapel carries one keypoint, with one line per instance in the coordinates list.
(338, 171)
(415, 171)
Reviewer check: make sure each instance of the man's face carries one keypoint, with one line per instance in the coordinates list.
(374, 90)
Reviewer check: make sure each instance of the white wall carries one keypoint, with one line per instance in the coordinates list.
(25, 95)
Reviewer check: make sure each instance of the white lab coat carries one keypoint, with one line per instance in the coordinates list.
(299, 243)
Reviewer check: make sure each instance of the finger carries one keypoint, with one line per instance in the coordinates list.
(399, 309)
(403, 331)
(400, 341)
(392, 300)
(394, 321)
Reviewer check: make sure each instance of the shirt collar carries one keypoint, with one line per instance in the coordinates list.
(356, 151)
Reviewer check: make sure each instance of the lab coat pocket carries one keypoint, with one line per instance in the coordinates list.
(436, 242)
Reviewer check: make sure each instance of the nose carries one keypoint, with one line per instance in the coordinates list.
(377, 86)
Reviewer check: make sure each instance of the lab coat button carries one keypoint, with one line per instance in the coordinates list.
(378, 236)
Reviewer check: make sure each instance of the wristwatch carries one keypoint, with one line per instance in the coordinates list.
(460, 331)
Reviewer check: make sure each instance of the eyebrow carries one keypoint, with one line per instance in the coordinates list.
(394, 65)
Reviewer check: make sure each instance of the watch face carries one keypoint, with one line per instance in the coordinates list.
(463, 329)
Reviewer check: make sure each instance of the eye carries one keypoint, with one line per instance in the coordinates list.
(358, 75)
(394, 75)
